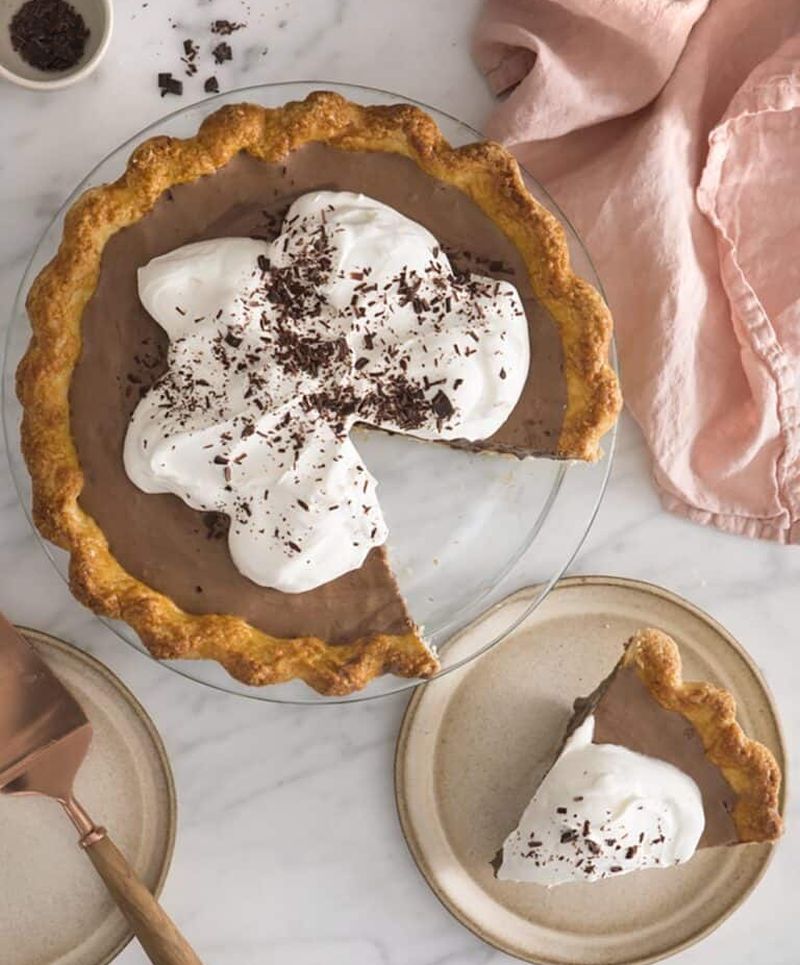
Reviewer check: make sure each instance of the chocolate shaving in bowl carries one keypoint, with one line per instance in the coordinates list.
(49, 34)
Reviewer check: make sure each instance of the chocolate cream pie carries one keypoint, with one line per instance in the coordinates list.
(651, 769)
(218, 319)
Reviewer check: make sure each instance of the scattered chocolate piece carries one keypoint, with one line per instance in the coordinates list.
(170, 85)
(190, 50)
(49, 34)
(222, 52)
(226, 27)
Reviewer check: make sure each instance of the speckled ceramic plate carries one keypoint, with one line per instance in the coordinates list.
(474, 745)
(54, 909)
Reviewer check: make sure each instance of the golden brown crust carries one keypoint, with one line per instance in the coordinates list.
(486, 172)
(749, 767)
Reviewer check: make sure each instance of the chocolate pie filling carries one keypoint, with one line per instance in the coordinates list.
(626, 713)
(158, 538)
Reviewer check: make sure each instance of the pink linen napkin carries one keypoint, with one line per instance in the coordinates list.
(669, 132)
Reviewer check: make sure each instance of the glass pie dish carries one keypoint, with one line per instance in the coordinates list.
(465, 528)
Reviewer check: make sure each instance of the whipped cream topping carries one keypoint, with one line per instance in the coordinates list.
(353, 314)
(602, 811)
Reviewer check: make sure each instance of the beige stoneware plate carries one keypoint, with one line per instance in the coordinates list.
(55, 909)
(474, 744)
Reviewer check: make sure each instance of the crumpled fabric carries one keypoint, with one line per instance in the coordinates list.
(669, 132)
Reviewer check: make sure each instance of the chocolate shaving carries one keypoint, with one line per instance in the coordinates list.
(226, 27)
(222, 52)
(442, 406)
(170, 85)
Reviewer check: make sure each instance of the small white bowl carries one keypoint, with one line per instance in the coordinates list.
(99, 18)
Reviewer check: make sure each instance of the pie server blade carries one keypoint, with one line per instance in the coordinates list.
(44, 737)
(44, 733)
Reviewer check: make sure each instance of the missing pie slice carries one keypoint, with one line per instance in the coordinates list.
(157, 552)
(651, 768)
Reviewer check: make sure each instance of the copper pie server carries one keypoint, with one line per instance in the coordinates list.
(44, 737)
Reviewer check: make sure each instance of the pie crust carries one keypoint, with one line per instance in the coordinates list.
(748, 766)
(486, 172)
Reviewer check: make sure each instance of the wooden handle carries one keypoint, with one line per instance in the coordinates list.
(155, 930)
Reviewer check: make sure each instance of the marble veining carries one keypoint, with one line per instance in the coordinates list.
(253, 778)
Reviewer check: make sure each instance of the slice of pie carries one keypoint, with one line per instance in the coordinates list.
(651, 769)
(141, 338)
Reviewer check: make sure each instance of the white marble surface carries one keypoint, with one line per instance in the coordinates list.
(288, 849)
